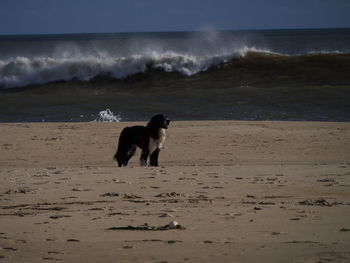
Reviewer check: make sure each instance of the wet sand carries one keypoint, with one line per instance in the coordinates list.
(242, 192)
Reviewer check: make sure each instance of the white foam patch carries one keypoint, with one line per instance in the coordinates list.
(107, 116)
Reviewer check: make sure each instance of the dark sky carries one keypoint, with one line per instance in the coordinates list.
(97, 16)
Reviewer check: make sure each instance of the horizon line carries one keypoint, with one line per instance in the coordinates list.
(174, 31)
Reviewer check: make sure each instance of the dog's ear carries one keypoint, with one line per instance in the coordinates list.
(155, 120)
(158, 121)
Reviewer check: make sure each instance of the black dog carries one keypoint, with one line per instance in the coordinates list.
(149, 138)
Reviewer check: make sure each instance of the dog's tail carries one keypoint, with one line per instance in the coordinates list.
(119, 153)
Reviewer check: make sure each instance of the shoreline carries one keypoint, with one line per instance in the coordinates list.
(243, 191)
(187, 143)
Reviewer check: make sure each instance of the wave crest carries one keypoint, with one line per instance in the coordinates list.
(24, 71)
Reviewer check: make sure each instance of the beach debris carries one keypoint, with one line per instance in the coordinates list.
(128, 247)
(170, 194)
(97, 209)
(301, 242)
(110, 194)
(327, 180)
(344, 229)
(42, 174)
(59, 216)
(266, 203)
(73, 240)
(276, 233)
(173, 241)
(165, 215)
(200, 198)
(79, 189)
(317, 202)
(118, 181)
(21, 190)
(10, 248)
(118, 213)
(173, 225)
(146, 227)
(131, 196)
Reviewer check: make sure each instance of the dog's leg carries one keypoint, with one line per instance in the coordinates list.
(154, 157)
(119, 158)
(124, 154)
(129, 154)
(144, 157)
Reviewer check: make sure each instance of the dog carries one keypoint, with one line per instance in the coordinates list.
(149, 138)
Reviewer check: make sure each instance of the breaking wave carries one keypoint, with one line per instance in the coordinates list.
(25, 71)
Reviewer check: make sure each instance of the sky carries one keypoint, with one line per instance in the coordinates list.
(100, 16)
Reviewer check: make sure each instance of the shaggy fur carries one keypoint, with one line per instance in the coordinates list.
(149, 138)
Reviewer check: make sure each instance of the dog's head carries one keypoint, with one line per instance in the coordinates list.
(159, 121)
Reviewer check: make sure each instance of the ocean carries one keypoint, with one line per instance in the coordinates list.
(294, 75)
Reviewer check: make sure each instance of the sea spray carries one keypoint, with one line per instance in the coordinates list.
(107, 116)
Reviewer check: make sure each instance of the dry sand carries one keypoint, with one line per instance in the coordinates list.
(242, 191)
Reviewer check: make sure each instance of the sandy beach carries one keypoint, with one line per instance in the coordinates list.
(242, 191)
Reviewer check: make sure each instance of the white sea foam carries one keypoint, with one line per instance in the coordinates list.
(107, 116)
(24, 71)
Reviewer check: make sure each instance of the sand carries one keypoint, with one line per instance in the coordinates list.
(242, 192)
